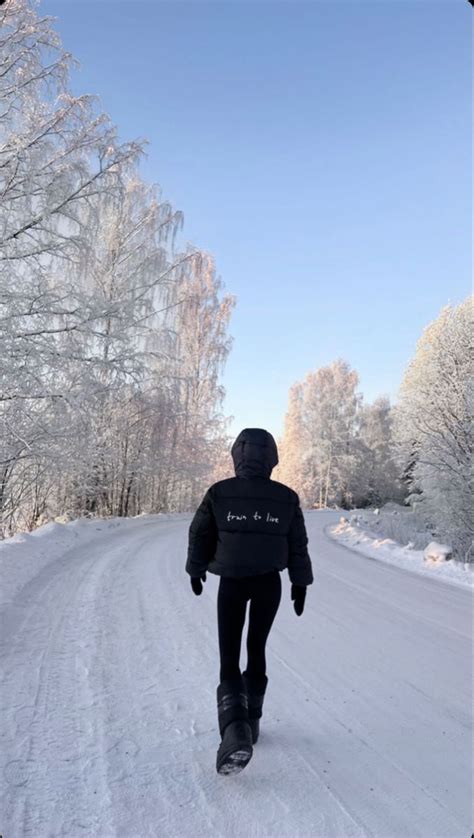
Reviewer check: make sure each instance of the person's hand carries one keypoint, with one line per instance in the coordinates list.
(196, 584)
(298, 594)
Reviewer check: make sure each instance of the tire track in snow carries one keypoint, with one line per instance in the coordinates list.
(48, 661)
(123, 659)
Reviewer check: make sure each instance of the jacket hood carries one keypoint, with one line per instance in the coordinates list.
(254, 453)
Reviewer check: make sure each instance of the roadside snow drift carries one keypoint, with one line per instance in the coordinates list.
(430, 561)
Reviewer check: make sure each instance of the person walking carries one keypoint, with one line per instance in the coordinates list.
(246, 530)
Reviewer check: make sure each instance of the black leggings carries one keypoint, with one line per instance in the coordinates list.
(264, 593)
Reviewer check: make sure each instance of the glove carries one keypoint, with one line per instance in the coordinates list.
(196, 584)
(298, 594)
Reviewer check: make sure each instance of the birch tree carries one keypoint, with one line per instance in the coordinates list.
(379, 472)
(56, 155)
(56, 150)
(293, 447)
(96, 306)
(200, 348)
(434, 419)
(335, 450)
(319, 447)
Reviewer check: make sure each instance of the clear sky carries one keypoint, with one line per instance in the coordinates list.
(320, 151)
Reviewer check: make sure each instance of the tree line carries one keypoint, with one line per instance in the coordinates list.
(112, 338)
(335, 450)
(338, 451)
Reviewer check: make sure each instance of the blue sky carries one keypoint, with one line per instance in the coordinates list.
(320, 151)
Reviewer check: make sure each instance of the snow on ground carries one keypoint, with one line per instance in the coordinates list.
(396, 521)
(370, 544)
(25, 554)
(110, 666)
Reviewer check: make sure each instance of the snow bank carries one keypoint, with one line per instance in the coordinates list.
(26, 553)
(388, 550)
(435, 552)
(394, 521)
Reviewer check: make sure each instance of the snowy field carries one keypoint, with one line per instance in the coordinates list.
(110, 666)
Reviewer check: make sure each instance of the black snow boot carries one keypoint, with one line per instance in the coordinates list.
(235, 749)
(255, 694)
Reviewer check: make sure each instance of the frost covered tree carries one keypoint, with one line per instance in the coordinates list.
(56, 155)
(96, 338)
(131, 276)
(334, 449)
(56, 151)
(331, 407)
(199, 346)
(320, 437)
(292, 446)
(379, 472)
(434, 426)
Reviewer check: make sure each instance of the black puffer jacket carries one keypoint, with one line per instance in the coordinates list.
(249, 524)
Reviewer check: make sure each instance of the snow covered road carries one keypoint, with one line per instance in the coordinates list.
(110, 667)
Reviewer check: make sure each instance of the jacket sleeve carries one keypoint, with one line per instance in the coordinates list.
(202, 539)
(300, 569)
